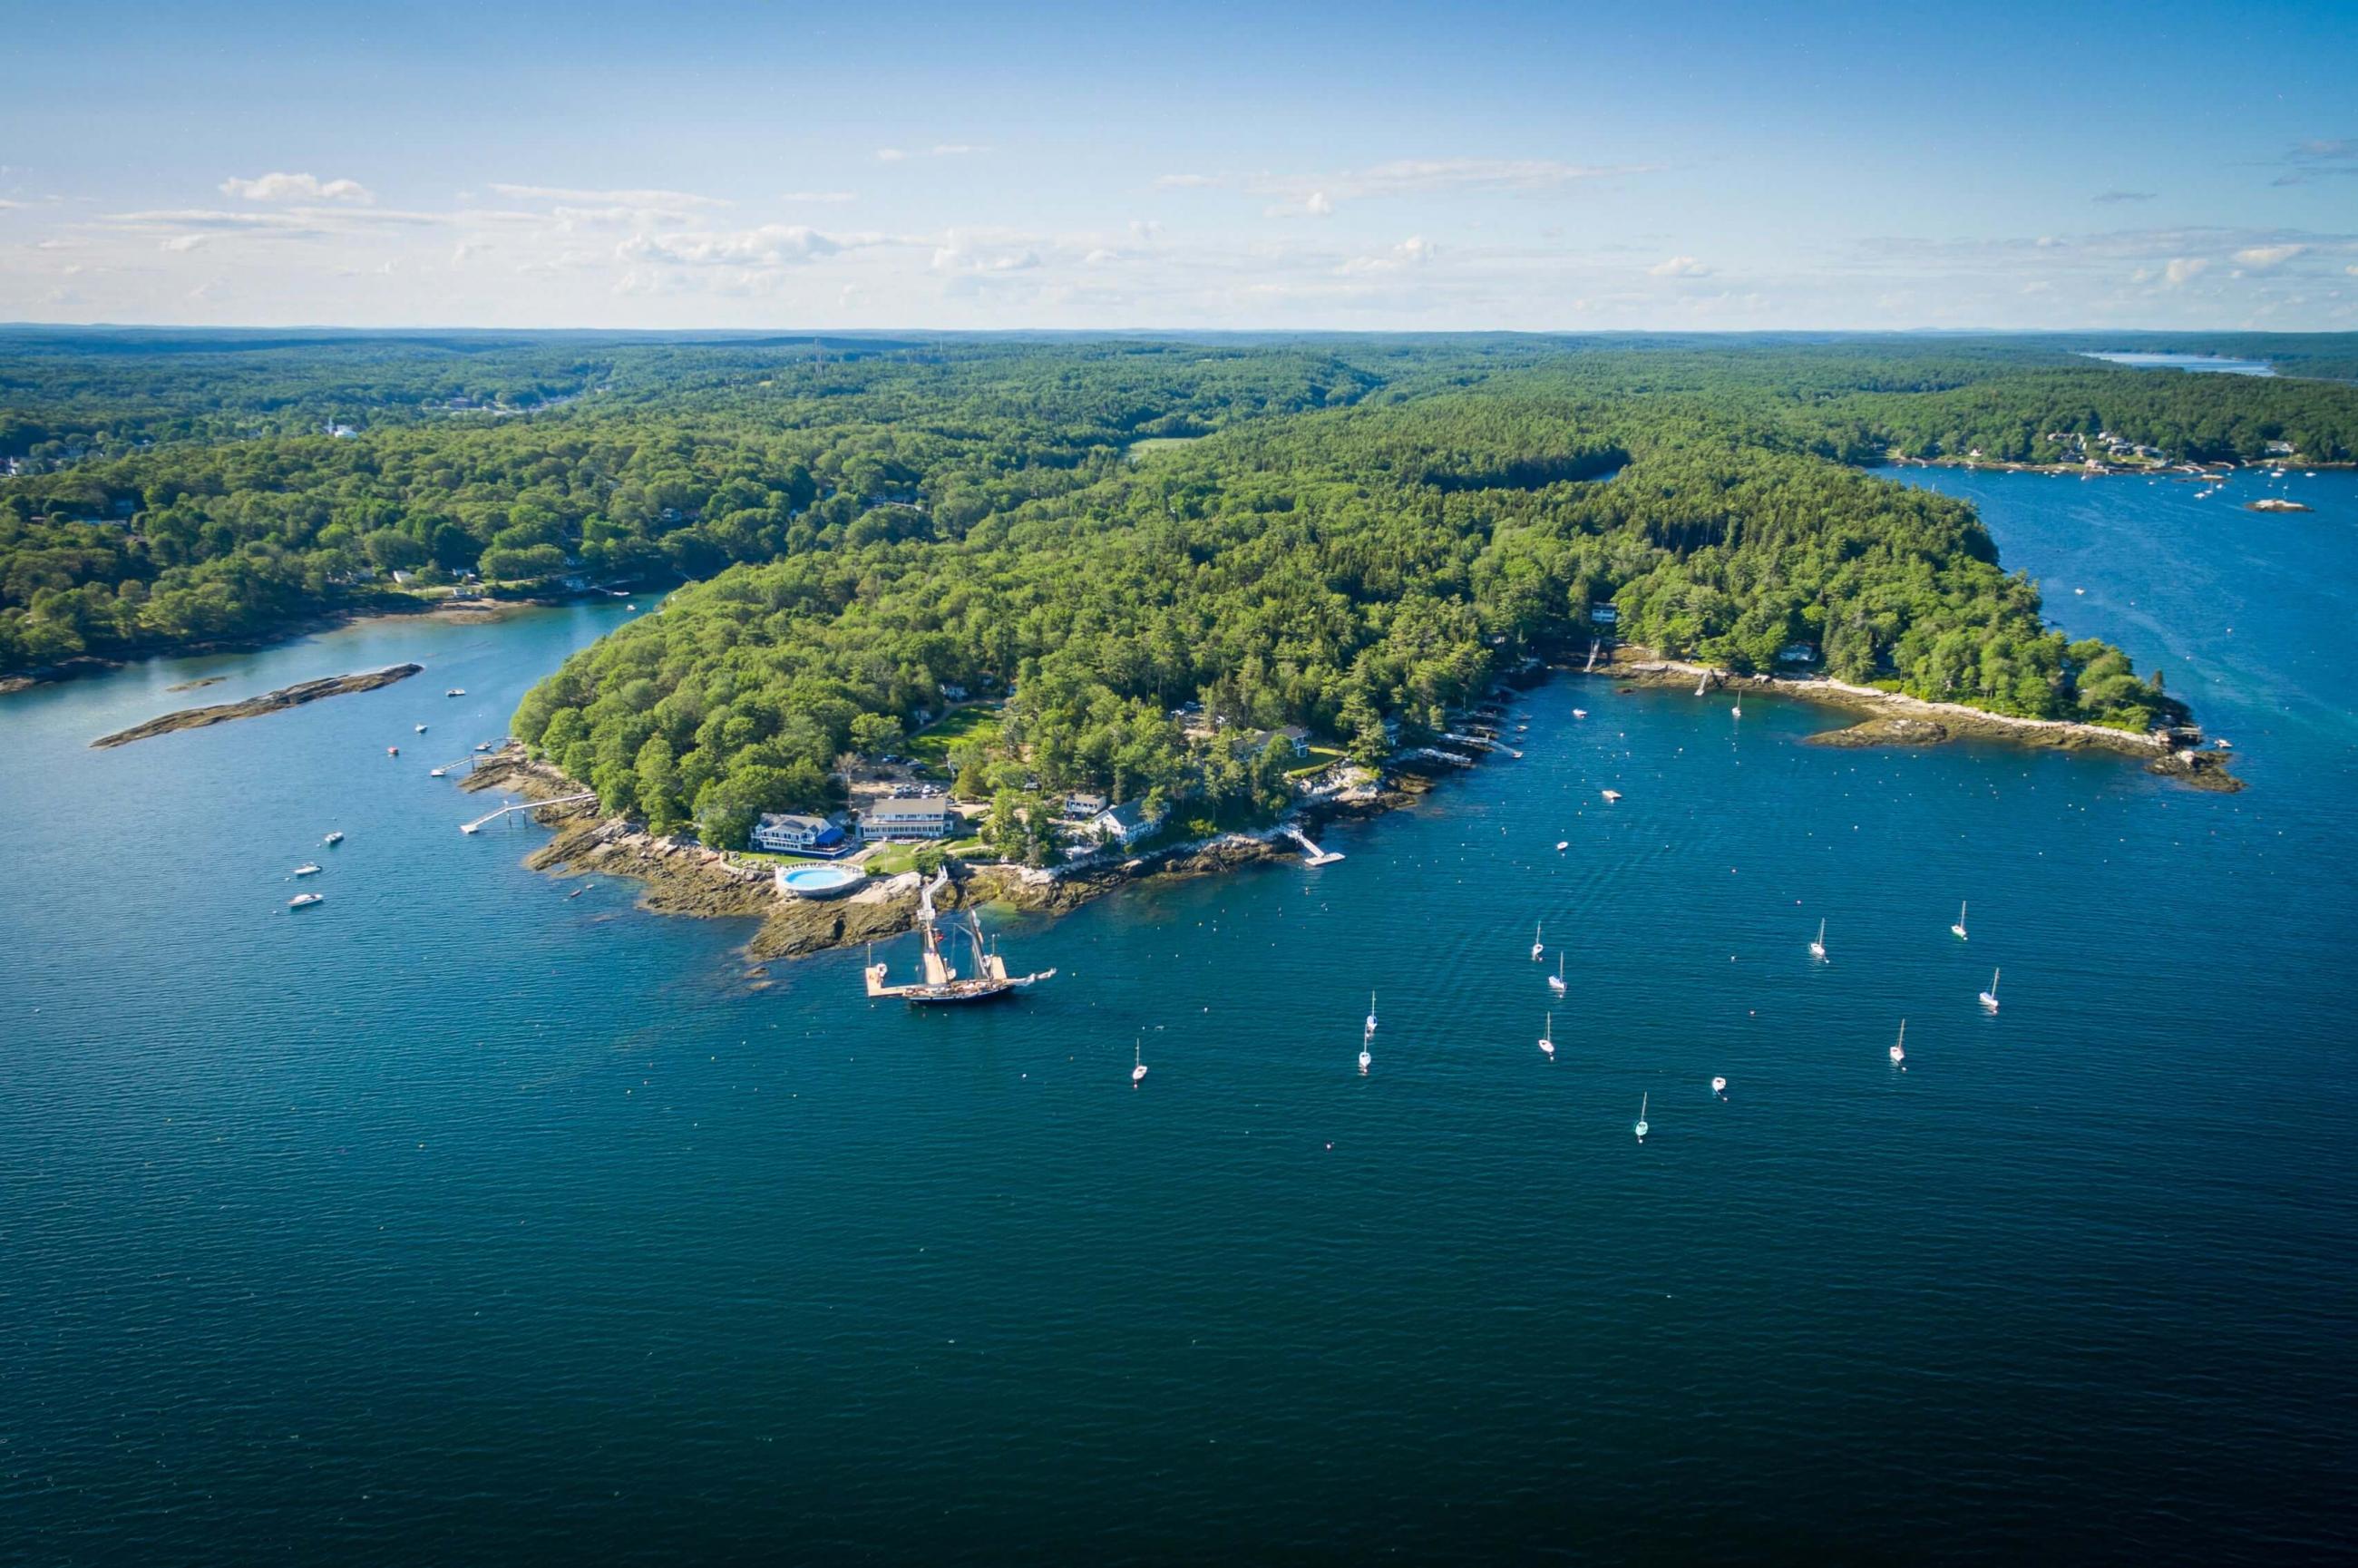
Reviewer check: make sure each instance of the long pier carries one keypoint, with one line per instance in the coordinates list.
(489, 816)
(1312, 853)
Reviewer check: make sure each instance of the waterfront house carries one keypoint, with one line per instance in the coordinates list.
(908, 816)
(783, 833)
(1082, 805)
(1604, 614)
(1294, 737)
(1798, 654)
(1125, 823)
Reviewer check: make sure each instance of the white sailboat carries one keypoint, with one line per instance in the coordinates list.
(1899, 1049)
(1738, 708)
(1641, 1129)
(1818, 948)
(1538, 947)
(1547, 1039)
(1367, 1058)
(1555, 981)
(1989, 997)
(1371, 1013)
(1959, 928)
(1719, 1087)
(1138, 1062)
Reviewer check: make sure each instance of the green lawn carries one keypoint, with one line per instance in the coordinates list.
(977, 721)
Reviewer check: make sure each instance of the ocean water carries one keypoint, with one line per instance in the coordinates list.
(2201, 364)
(457, 1220)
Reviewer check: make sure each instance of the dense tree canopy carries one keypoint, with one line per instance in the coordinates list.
(1331, 532)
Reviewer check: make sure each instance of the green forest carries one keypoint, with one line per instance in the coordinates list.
(1333, 532)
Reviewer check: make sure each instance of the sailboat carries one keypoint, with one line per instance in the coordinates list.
(1959, 928)
(1547, 1040)
(1899, 1049)
(1702, 682)
(1989, 997)
(1818, 948)
(1371, 1013)
(1719, 1085)
(1641, 1128)
(1138, 1062)
(1555, 981)
(1738, 708)
(1538, 947)
(1366, 1058)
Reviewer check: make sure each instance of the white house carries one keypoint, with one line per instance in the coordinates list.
(782, 833)
(1126, 823)
(1294, 737)
(1604, 614)
(1083, 805)
(1798, 654)
(909, 816)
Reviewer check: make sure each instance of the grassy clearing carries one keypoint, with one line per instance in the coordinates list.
(978, 722)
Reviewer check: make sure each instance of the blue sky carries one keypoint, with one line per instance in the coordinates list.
(1523, 166)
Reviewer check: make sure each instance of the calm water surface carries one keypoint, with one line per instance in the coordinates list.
(456, 1221)
(2214, 364)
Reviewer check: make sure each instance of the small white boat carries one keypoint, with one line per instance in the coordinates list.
(1738, 708)
(2079, 590)
(306, 869)
(1367, 1058)
(1538, 947)
(1989, 997)
(629, 607)
(306, 900)
(455, 691)
(1371, 1013)
(421, 729)
(1818, 948)
(1719, 1085)
(483, 745)
(2224, 745)
(1642, 1128)
(1959, 928)
(436, 772)
(1547, 1039)
(1900, 1048)
(1138, 1062)
(1555, 981)
(1611, 795)
(1562, 845)
(1580, 713)
(393, 751)
(333, 839)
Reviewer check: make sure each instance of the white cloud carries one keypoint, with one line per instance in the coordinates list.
(1680, 266)
(770, 246)
(1414, 251)
(1145, 229)
(1100, 257)
(296, 188)
(658, 199)
(2183, 269)
(965, 254)
(181, 243)
(940, 149)
(2268, 255)
(1186, 181)
(819, 196)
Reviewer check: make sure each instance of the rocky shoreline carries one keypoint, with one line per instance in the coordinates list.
(277, 701)
(1894, 718)
(680, 878)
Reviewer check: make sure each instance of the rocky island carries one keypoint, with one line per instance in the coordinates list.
(254, 707)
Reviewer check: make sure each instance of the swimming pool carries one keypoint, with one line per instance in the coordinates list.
(820, 882)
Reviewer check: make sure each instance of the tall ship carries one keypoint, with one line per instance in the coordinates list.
(941, 983)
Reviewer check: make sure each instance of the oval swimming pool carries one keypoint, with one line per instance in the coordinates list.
(820, 881)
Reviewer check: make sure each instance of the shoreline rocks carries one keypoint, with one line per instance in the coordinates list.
(277, 701)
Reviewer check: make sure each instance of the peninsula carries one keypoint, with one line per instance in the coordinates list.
(255, 707)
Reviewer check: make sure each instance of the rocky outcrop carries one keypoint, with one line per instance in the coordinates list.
(1889, 731)
(254, 707)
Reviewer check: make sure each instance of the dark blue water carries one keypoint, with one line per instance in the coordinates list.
(453, 1220)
